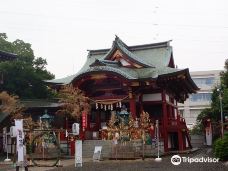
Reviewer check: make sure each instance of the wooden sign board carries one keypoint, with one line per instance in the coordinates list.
(20, 139)
(97, 153)
(4, 139)
(75, 128)
(78, 153)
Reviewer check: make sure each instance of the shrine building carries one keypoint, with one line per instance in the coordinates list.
(142, 78)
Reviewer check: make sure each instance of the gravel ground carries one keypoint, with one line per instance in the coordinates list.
(150, 164)
(136, 165)
(147, 165)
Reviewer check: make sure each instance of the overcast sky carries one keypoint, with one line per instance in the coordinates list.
(62, 30)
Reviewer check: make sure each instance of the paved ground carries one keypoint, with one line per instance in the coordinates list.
(134, 165)
(10, 167)
(147, 165)
(150, 164)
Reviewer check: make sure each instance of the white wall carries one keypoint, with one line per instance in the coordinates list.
(152, 97)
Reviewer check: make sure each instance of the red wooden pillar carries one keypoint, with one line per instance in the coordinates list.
(98, 120)
(181, 137)
(88, 121)
(180, 134)
(180, 140)
(184, 141)
(132, 103)
(72, 146)
(173, 108)
(140, 103)
(165, 121)
(176, 111)
(170, 111)
(66, 122)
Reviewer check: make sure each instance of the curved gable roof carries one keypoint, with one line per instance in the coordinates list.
(120, 45)
(159, 57)
(154, 57)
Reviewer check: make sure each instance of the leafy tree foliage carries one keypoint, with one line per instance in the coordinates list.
(74, 102)
(214, 111)
(24, 76)
(11, 105)
(215, 105)
(220, 148)
(224, 74)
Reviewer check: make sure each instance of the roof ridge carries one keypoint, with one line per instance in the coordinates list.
(8, 53)
(118, 40)
(134, 47)
(7, 56)
(150, 45)
(119, 44)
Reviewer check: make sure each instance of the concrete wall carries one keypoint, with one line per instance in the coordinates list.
(197, 140)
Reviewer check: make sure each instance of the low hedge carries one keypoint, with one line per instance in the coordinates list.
(220, 148)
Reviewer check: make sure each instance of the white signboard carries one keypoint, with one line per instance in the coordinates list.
(4, 139)
(208, 136)
(20, 137)
(97, 153)
(13, 131)
(78, 153)
(75, 128)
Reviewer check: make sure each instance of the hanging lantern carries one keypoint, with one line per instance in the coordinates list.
(101, 106)
(120, 104)
(105, 107)
(96, 105)
(111, 107)
(117, 104)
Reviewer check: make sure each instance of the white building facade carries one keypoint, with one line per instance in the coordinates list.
(206, 81)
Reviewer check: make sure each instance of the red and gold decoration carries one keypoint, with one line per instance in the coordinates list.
(84, 120)
(108, 104)
(133, 129)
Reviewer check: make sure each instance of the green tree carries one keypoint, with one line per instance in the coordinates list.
(74, 102)
(11, 105)
(214, 111)
(215, 105)
(24, 76)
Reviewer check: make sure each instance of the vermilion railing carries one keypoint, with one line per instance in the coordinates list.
(176, 121)
(172, 122)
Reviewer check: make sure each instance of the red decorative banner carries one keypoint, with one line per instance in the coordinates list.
(84, 120)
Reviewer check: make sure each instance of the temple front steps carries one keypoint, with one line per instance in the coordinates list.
(129, 150)
(124, 151)
(88, 147)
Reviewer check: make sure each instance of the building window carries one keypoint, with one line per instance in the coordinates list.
(201, 97)
(194, 113)
(181, 112)
(204, 81)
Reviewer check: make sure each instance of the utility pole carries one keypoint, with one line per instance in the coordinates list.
(158, 159)
(221, 110)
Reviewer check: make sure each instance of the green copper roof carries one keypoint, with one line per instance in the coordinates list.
(128, 73)
(122, 71)
(65, 80)
(119, 44)
(158, 56)
(5, 56)
(153, 57)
